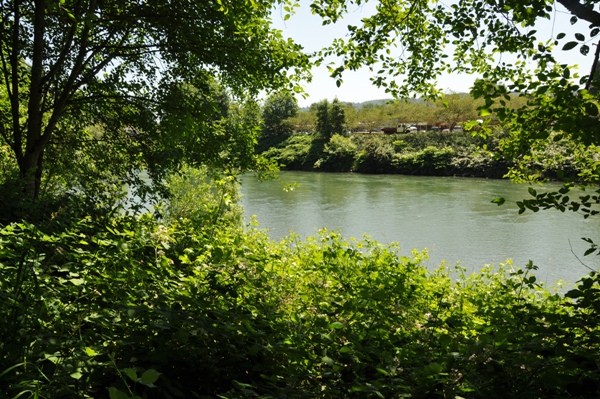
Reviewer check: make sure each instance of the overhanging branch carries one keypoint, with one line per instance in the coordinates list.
(581, 11)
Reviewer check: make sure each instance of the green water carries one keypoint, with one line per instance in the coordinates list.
(451, 217)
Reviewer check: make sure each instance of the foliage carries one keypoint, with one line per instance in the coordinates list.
(456, 108)
(431, 153)
(204, 199)
(299, 152)
(375, 156)
(131, 82)
(277, 112)
(331, 118)
(431, 161)
(338, 155)
(137, 308)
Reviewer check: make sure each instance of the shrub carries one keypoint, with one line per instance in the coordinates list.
(204, 198)
(429, 161)
(338, 155)
(141, 309)
(299, 152)
(375, 156)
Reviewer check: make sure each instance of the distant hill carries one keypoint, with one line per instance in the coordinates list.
(374, 103)
(361, 104)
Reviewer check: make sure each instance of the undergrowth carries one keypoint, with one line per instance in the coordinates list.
(194, 305)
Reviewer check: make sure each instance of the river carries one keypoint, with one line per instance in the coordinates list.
(452, 217)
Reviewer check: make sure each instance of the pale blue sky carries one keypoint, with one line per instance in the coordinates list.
(307, 30)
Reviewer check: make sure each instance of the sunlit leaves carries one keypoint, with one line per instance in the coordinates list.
(498, 201)
(111, 83)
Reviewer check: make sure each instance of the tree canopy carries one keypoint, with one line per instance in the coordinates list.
(80, 74)
(331, 118)
(276, 113)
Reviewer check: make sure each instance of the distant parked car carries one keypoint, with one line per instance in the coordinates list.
(389, 129)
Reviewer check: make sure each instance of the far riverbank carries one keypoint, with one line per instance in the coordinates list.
(416, 153)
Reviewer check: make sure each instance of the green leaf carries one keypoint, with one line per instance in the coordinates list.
(149, 377)
(76, 375)
(484, 112)
(574, 294)
(569, 46)
(336, 325)
(90, 352)
(532, 192)
(591, 109)
(579, 37)
(499, 201)
(434, 368)
(327, 360)
(114, 393)
(130, 372)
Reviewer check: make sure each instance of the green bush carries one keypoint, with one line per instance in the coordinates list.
(429, 161)
(205, 198)
(375, 156)
(434, 153)
(299, 152)
(136, 308)
(338, 155)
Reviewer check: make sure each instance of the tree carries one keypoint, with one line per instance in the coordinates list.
(337, 117)
(276, 114)
(304, 121)
(456, 108)
(331, 118)
(119, 67)
(371, 117)
(323, 125)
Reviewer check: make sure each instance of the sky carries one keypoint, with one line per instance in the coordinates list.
(307, 30)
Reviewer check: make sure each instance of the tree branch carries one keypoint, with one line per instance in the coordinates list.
(581, 11)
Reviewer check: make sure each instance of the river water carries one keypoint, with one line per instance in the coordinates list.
(452, 217)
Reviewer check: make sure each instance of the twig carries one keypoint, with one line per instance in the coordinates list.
(576, 257)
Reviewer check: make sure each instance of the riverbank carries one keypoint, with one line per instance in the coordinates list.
(417, 153)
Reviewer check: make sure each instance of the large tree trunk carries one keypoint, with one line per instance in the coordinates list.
(31, 169)
(31, 162)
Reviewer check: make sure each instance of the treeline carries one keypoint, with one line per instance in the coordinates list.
(442, 141)
(282, 115)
